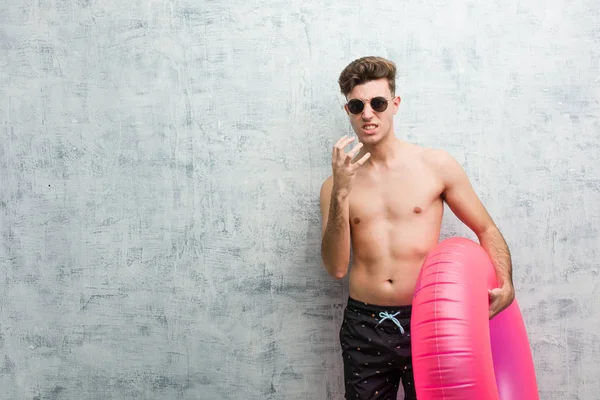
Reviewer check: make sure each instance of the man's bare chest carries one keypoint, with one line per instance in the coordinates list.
(395, 196)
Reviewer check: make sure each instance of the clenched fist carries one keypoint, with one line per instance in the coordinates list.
(344, 169)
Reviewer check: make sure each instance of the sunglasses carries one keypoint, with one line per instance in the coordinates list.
(378, 104)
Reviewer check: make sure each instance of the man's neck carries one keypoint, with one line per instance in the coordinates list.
(384, 152)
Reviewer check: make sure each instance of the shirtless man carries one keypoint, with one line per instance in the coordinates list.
(385, 199)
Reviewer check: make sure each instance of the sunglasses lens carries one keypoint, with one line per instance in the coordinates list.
(379, 104)
(355, 106)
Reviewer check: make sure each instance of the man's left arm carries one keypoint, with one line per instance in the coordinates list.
(461, 198)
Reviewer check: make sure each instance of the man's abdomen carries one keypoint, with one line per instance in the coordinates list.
(386, 264)
(387, 289)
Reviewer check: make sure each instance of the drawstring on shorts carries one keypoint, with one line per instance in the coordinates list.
(385, 315)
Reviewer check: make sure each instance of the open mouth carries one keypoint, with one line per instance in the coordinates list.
(369, 127)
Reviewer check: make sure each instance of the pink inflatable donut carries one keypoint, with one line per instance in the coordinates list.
(458, 353)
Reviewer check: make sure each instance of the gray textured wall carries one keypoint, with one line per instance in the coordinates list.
(160, 163)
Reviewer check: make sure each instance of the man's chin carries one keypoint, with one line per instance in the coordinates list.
(369, 138)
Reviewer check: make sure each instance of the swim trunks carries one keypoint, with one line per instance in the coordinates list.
(376, 350)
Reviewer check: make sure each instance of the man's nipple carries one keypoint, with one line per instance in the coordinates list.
(417, 210)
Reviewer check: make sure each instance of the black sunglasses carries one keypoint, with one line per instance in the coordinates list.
(378, 104)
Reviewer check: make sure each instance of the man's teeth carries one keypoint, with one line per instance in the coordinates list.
(370, 126)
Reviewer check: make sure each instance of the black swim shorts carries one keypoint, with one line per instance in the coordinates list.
(375, 343)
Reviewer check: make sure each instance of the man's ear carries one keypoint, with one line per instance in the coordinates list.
(397, 101)
(346, 109)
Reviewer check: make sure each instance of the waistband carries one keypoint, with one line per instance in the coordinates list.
(404, 310)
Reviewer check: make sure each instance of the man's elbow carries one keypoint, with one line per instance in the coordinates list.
(337, 272)
(493, 238)
(487, 231)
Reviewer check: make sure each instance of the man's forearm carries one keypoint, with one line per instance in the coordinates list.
(335, 245)
(495, 245)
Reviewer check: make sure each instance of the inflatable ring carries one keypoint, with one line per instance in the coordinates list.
(458, 352)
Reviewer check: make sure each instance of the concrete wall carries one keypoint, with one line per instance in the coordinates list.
(160, 163)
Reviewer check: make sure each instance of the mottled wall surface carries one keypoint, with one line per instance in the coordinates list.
(160, 163)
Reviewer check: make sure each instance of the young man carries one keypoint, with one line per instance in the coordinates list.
(384, 199)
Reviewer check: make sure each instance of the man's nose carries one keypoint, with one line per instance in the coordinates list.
(367, 111)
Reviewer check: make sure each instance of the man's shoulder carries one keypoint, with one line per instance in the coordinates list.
(327, 182)
(443, 164)
(326, 186)
(435, 157)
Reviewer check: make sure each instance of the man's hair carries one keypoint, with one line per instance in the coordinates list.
(366, 69)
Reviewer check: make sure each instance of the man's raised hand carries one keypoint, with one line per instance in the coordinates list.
(344, 168)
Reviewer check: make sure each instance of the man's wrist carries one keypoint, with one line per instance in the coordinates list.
(340, 194)
(508, 288)
(506, 284)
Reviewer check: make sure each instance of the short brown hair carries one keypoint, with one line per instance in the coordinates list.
(366, 69)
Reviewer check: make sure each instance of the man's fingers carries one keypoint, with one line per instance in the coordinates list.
(495, 307)
(363, 159)
(343, 142)
(340, 140)
(338, 150)
(346, 158)
(352, 153)
(337, 144)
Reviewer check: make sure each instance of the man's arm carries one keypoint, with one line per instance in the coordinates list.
(466, 205)
(335, 230)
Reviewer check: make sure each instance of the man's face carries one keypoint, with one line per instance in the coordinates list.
(369, 124)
